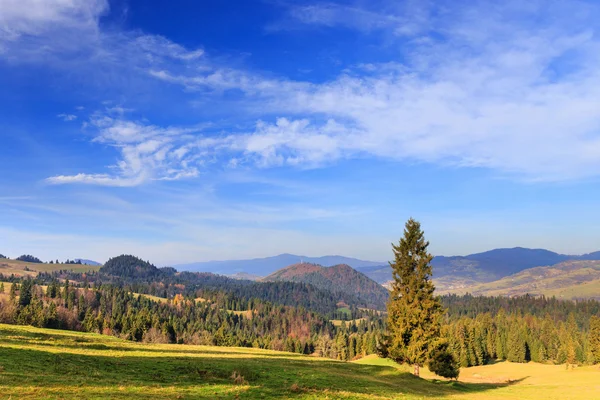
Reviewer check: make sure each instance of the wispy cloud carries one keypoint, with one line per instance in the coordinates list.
(147, 152)
(67, 117)
(400, 18)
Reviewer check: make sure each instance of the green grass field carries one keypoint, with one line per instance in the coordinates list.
(48, 364)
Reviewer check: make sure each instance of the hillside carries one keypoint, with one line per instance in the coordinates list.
(21, 268)
(568, 280)
(338, 278)
(268, 265)
(45, 363)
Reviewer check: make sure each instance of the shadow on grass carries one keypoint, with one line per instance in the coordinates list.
(181, 350)
(137, 377)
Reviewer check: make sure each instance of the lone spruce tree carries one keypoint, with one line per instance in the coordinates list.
(414, 313)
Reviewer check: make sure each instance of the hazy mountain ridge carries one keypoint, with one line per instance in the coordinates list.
(338, 278)
(484, 267)
(88, 262)
(267, 265)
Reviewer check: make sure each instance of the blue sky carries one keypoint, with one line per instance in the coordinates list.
(197, 130)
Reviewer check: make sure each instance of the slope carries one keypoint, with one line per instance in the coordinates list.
(20, 268)
(569, 280)
(339, 278)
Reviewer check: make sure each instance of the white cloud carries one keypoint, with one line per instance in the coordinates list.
(163, 47)
(67, 117)
(146, 152)
(507, 86)
(33, 17)
(42, 18)
(400, 18)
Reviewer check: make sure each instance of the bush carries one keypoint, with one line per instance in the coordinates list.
(154, 335)
(238, 378)
(442, 363)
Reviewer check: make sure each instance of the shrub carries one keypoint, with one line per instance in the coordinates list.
(442, 363)
(238, 378)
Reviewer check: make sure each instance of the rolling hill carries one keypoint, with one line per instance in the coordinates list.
(268, 265)
(21, 268)
(575, 279)
(338, 278)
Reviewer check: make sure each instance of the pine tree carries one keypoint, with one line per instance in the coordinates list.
(441, 362)
(13, 291)
(26, 292)
(1, 287)
(594, 338)
(414, 313)
(517, 347)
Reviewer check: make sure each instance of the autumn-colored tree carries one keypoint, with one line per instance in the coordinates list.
(414, 313)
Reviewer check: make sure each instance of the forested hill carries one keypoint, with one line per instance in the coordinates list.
(127, 266)
(338, 278)
(145, 278)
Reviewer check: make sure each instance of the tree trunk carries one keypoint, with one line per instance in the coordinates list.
(416, 369)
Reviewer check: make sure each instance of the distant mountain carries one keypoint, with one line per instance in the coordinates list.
(88, 262)
(268, 265)
(339, 278)
(483, 267)
(575, 279)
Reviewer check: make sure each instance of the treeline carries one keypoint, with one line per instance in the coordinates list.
(522, 329)
(29, 258)
(116, 311)
(560, 310)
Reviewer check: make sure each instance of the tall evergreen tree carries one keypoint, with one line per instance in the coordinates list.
(414, 313)
(26, 292)
(594, 338)
(13, 291)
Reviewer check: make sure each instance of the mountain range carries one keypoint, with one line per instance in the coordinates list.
(479, 267)
(490, 272)
(484, 267)
(268, 265)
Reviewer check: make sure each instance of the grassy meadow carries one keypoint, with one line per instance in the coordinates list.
(18, 268)
(46, 364)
